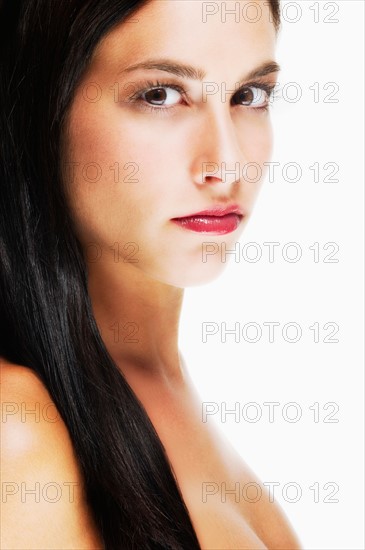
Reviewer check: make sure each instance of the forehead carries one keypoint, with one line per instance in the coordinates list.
(214, 35)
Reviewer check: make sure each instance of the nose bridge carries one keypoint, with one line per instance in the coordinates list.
(219, 154)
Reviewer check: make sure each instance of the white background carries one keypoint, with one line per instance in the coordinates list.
(306, 452)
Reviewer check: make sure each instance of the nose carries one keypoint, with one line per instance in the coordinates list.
(218, 156)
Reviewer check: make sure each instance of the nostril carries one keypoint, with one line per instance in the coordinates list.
(212, 179)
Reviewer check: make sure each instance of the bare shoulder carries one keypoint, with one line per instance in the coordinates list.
(43, 502)
(30, 421)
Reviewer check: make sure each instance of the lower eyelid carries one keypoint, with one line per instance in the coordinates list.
(170, 110)
(141, 105)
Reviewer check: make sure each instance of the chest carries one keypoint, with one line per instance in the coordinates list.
(211, 477)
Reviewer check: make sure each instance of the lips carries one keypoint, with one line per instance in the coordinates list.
(217, 220)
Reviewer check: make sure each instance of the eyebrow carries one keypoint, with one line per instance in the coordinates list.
(195, 73)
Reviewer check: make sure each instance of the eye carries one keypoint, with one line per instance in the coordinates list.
(255, 97)
(163, 96)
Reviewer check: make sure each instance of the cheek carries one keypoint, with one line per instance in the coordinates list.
(256, 145)
(256, 138)
(119, 173)
(121, 145)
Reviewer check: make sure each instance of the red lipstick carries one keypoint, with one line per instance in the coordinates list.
(217, 220)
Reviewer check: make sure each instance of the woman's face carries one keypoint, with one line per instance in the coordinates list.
(136, 159)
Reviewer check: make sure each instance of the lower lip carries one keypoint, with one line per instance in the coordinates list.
(217, 225)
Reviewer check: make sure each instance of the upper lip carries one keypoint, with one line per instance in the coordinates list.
(217, 210)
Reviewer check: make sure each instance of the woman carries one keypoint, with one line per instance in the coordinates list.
(113, 114)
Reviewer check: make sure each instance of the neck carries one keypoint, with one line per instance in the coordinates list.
(138, 318)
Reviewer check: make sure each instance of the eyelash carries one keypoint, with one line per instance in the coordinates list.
(151, 85)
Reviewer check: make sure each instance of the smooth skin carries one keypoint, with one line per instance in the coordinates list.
(119, 221)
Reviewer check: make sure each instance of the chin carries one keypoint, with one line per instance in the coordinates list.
(191, 275)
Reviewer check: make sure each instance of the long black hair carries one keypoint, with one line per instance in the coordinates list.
(46, 319)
